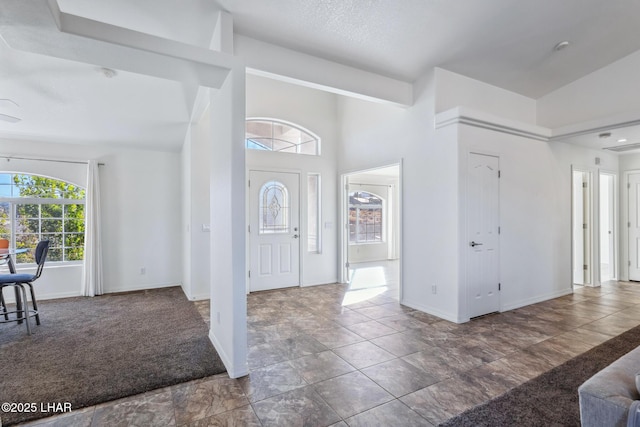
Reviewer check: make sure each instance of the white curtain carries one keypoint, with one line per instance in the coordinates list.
(92, 272)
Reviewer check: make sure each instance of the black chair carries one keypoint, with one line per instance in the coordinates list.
(22, 310)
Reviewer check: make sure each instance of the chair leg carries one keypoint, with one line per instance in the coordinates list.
(34, 303)
(25, 307)
(3, 306)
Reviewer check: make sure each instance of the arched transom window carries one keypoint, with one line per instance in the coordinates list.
(273, 135)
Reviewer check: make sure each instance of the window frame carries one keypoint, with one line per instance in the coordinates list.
(315, 137)
(358, 208)
(16, 201)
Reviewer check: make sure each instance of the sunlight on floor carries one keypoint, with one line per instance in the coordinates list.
(365, 284)
(368, 277)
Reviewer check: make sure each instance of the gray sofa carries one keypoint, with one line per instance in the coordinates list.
(606, 397)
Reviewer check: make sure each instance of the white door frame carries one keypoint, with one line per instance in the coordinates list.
(615, 255)
(625, 256)
(343, 270)
(593, 225)
(301, 213)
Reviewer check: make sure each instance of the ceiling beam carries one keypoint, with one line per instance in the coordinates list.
(155, 56)
(279, 63)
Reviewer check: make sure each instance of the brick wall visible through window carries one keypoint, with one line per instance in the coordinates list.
(365, 218)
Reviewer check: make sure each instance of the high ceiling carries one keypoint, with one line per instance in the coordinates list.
(63, 93)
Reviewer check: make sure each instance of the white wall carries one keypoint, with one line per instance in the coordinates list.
(228, 227)
(316, 111)
(141, 219)
(535, 212)
(185, 196)
(374, 135)
(455, 90)
(609, 91)
(196, 171)
(535, 192)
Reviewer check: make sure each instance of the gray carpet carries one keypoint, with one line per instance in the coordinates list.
(92, 350)
(550, 399)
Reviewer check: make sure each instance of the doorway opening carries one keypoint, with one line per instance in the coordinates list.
(371, 237)
(581, 227)
(608, 227)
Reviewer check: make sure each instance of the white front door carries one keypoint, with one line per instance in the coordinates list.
(483, 210)
(634, 226)
(274, 229)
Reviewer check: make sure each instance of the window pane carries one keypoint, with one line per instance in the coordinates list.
(74, 211)
(54, 255)
(274, 208)
(74, 225)
(27, 211)
(313, 213)
(55, 239)
(60, 223)
(74, 254)
(310, 147)
(51, 226)
(277, 136)
(28, 226)
(365, 217)
(5, 221)
(51, 211)
(74, 240)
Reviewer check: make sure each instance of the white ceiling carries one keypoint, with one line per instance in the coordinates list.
(506, 43)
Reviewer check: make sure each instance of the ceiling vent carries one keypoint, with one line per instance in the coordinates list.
(621, 148)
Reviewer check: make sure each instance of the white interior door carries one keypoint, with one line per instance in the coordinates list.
(579, 226)
(483, 215)
(634, 226)
(274, 229)
(607, 228)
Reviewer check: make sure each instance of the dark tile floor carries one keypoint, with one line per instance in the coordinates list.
(330, 355)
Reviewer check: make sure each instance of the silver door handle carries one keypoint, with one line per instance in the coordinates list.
(295, 236)
(474, 244)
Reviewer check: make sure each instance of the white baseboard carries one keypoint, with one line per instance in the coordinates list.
(140, 287)
(434, 312)
(9, 296)
(319, 283)
(537, 299)
(232, 371)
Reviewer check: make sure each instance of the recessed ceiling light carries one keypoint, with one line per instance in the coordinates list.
(108, 72)
(622, 140)
(561, 45)
(605, 135)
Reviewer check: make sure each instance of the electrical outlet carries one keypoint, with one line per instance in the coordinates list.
(143, 270)
(434, 289)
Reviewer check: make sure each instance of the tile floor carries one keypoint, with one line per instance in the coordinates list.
(334, 356)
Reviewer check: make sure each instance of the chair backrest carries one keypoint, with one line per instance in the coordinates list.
(4, 244)
(41, 255)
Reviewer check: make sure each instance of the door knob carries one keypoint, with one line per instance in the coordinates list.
(474, 244)
(295, 236)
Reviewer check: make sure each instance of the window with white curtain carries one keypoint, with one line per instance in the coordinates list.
(34, 208)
